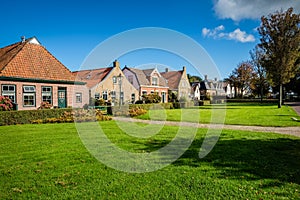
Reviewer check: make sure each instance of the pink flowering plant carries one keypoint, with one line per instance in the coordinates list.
(5, 103)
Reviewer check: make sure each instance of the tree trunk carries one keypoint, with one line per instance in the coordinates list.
(261, 93)
(280, 96)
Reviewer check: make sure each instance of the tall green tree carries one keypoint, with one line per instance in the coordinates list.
(280, 42)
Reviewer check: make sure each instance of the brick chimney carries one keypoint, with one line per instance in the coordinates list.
(116, 64)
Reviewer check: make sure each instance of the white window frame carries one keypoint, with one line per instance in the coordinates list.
(47, 93)
(78, 97)
(29, 91)
(11, 94)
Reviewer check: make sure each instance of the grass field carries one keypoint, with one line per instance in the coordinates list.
(49, 161)
(236, 113)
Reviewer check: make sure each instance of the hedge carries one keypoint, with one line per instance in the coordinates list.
(27, 116)
(152, 106)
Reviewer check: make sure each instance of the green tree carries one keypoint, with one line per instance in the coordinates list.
(280, 39)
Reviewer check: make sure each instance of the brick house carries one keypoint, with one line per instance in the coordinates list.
(30, 75)
(109, 84)
(147, 81)
(179, 85)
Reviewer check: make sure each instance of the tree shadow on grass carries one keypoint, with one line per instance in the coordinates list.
(251, 159)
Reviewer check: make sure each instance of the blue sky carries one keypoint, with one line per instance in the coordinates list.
(70, 30)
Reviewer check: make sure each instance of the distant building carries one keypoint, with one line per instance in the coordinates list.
(178, 82)
(208, 88)
(30, 75)
(147, 81)
(109, 84)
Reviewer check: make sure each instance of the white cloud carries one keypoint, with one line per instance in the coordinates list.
(241, 36)
(237, 34)
(251, 9)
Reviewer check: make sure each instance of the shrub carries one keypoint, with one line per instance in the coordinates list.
(45, 105)
(133, 112)
(5, 103)
(50, 116)
(152, 98)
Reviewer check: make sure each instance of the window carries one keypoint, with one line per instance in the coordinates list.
(97, 95)
(10, 92)
(29, 88)
(78, 97)
(132, 97)
(104, 95)
(154, 81)
(28, 95)
(113, 95)
(47, 94)
(130, 79)
(114, 79)
(144, 93)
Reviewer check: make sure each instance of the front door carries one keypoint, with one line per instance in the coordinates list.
(62, 97)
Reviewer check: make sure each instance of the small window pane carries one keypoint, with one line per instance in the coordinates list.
(78, 97)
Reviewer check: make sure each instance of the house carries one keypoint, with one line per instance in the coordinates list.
(207, 88)
(179, 85)
(30, 75)
(147, 81)
(109, 84)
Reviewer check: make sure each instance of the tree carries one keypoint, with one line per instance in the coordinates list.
(242, 75)
(193, 79)
(280, 39)
(260, 85)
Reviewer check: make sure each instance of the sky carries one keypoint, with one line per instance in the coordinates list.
(72, 30)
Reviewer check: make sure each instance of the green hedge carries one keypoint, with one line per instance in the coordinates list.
(152, 106)
(251, 101)
(27, 116)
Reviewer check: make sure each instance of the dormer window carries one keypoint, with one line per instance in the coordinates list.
(154, 81)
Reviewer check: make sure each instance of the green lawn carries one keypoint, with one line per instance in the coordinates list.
(236, 113)
(49, 161)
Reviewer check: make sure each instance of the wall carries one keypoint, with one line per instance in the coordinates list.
(71, 89)
(107, 85)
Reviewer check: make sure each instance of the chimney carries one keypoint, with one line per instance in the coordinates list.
(116, 64)
(184, 69)
(23, 39)
(205, 77)
(216, 79)
(167, 70)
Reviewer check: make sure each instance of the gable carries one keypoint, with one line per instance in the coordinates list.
(173, 78)
(92, 77)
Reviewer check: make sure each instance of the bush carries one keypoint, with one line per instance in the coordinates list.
(50, 116)
(45, 105)
(152, 106)
(133, 112)
(5, 103)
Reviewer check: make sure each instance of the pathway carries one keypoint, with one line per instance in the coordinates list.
(295, 106)
(282, 130)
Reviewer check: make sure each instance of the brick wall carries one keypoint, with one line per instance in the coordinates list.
(71, 90)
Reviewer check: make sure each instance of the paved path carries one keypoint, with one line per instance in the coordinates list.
(282, 130)
(295, 106)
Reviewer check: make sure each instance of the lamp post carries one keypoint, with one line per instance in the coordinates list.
(120, 77)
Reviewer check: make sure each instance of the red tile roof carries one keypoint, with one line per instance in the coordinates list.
(173, 78)
(93, 76)
(31, 60)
